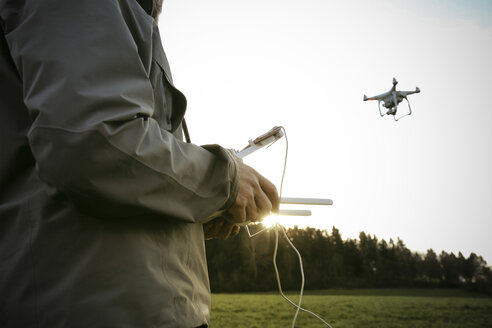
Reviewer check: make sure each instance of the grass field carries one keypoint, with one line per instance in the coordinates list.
(385, 308)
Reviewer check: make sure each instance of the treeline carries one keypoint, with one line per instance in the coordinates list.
(243, 264)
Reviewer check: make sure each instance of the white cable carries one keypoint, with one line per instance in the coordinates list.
(302, 276)
(298, 306)
(256, 233)
(276, 234)
(277, 225)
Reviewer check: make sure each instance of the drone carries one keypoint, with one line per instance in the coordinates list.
(391, 99)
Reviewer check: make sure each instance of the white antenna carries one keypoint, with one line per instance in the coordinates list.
(294, 212)
(306, 201)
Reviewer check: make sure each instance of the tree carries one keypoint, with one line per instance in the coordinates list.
(245, 264)
(431, 267)
(450, 268)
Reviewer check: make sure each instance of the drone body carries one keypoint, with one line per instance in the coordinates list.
(391, 99)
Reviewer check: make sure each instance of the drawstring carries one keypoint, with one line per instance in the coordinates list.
(185, 130)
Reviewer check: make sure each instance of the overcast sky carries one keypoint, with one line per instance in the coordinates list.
(246, 66)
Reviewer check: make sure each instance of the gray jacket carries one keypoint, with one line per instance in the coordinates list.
(101, 202)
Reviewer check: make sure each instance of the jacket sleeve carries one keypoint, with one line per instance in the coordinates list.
(86, 86)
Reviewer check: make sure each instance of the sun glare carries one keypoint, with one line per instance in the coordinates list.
(270, 220)
(286, 221)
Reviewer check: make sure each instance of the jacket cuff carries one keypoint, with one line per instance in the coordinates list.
(232, 172)
(234, 187)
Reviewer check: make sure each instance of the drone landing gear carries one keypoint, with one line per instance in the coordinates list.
(409, 111)
(393, 111)
(379, 106)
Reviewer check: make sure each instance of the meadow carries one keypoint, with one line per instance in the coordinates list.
(383, 308)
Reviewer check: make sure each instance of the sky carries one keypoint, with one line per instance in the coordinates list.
(246, 66)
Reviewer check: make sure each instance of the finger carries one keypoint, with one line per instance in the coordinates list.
(252, 211)
(206, 233)
(237, 216)
(206, 227)
(271, 192)
(235, 230)
(238, 212)
(263, 204)
(216, 227)
(225, 231)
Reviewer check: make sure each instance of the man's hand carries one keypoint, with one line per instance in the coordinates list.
(220, 228)
(256, 197)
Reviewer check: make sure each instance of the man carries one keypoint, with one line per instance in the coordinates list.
(101, 204)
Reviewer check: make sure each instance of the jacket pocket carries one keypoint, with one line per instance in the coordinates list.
(163, 98)
(170, 103)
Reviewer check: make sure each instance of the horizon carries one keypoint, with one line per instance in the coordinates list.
(269, 225)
